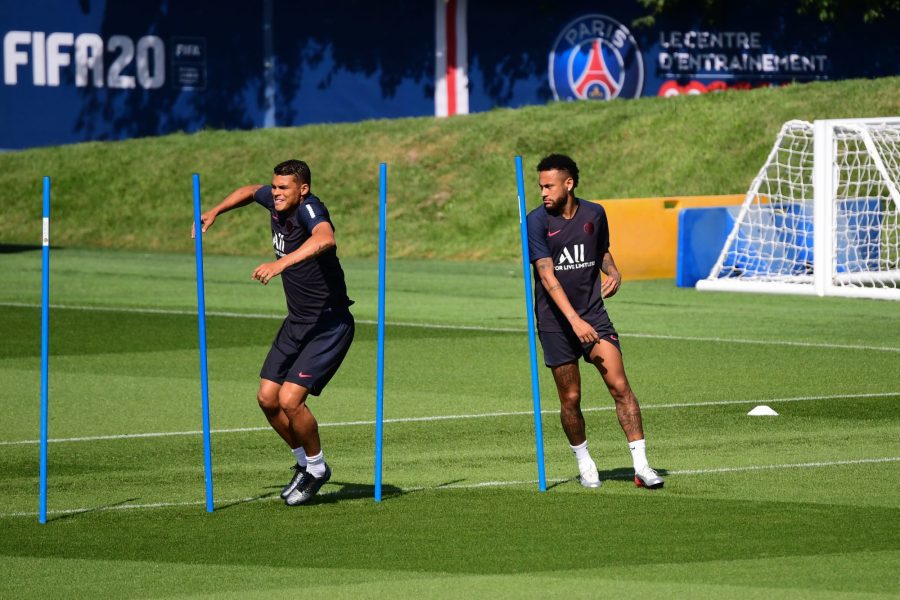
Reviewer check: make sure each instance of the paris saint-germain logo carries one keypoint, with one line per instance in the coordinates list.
(595, 58)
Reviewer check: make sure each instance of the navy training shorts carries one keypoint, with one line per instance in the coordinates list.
(561, 347)
(309, 354)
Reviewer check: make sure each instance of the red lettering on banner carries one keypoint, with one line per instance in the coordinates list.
(694, 87)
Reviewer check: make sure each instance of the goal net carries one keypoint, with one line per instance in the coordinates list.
(822, 216)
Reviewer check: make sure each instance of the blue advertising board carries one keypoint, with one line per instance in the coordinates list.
(110, 69)
(107, 69)
(594, 50)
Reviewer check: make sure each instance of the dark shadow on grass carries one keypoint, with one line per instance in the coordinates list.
(78, 513)
(16, 248)
(618, 474)
(266, 496)
(448, 483)
(563, 482)
(349, 490)
(625, 473)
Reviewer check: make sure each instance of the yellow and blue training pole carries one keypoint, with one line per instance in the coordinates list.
(529, 318)
(379, 384)
(45, 347)
(201, 322)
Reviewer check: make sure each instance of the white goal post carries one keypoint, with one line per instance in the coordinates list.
(822, 216)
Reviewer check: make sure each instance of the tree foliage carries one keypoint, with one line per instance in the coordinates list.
(827, 11)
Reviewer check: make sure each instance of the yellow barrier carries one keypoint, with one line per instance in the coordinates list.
(643, 232)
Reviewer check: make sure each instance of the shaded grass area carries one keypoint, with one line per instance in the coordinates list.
(756, 578)
(792, 547)
(452, 181)
(483, 294)
(517, 525)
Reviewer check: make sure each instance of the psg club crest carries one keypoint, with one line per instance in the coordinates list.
(595, 58)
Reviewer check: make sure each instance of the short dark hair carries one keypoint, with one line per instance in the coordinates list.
(297, 168)
(560, 162)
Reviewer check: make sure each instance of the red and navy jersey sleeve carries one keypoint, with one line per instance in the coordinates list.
(537, 235)
(312, 212)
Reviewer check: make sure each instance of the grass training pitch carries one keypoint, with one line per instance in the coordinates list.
(800, 505)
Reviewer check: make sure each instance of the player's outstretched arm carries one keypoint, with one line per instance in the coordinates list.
(613, 279)
(582, 328)
(239, 197)
(321, 240)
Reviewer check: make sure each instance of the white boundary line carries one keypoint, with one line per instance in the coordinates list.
(652, 336)
(469, 486)
(126, 436)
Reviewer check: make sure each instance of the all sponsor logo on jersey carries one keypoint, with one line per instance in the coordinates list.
(595, 58)
(575, 256)
(278, 244)
(572, 258)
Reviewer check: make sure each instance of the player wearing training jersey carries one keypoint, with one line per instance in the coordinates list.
(315, 336)
(568, 241)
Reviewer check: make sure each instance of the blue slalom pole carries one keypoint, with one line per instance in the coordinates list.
(379, 386)
(201, 322)
(45, 347)
(529, 317)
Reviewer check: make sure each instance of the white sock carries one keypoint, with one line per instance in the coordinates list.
(315, 465)
(300, 455)
(582, 455)
(638, 454)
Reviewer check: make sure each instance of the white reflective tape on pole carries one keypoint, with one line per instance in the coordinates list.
(46, 238)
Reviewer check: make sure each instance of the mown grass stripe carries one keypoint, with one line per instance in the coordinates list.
(125, 436)
(467, 486)
(652, 336)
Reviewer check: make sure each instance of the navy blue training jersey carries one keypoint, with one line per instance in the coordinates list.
(313, 287)
(577, 247)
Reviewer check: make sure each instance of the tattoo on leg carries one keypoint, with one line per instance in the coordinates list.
(568, 386)
(567, 375)
(629, 414)
(572, 423)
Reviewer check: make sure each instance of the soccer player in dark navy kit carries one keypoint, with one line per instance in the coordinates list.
(568, 240)
(315, 336)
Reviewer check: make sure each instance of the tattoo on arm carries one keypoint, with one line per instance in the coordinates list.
(607, 262)
(544, 267)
